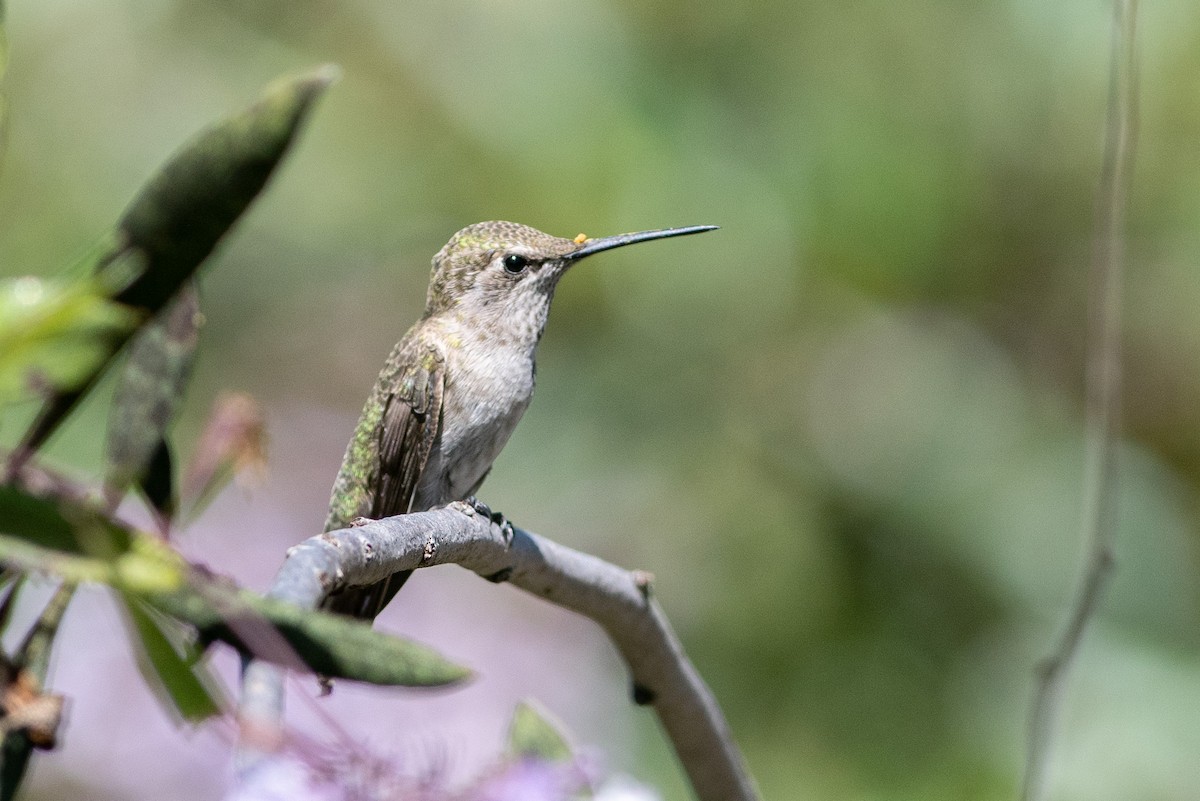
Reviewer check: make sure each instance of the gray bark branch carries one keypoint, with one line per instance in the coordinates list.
(618, 600)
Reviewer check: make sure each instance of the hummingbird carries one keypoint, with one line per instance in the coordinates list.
(454, 388)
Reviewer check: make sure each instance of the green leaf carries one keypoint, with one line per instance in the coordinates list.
(35, 520)
(57, 526)
(15, 751)
(158, 484)
(54, 334)
(185, 209)
(75, 541)
(169, 665)
(12, 582)
(150, 389)
(20, 554)
(532, 734)
(329, 644)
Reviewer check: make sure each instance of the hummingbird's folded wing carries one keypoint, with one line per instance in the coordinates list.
(403, 419)
(407, 432)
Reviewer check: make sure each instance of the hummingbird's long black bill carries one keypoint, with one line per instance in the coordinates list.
(591, 246)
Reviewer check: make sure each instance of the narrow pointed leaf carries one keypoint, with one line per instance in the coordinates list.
(19, 554)
(169, 669)
(158, 484)
(144, 404)
(91, 550)
(332, 645)
(60, 525)
(13, 589)
(532, 734)
(73, 540)
(54, 334)
(187, 207)
(15, 751)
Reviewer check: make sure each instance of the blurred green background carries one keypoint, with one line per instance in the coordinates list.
(843, 431)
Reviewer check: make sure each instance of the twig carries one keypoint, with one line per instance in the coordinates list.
(31, 716)
(34, 653)
(1103, 390)
(618, 600)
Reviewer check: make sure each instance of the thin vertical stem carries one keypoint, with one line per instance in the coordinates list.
(1103, 392)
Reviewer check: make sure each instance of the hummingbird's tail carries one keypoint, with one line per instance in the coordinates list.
(365, 603)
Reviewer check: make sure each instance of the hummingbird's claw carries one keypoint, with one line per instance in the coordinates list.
(479, 507)
(506, 529)
(498, 518)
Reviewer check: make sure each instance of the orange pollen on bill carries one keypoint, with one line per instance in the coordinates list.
(581, 238)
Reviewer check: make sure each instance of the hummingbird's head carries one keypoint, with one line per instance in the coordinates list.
(496, 267)
(506, 273)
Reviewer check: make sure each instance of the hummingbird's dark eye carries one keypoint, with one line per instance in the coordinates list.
(515, 263)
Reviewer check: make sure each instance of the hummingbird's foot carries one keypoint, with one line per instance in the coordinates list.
(479, 506)
(497, 518)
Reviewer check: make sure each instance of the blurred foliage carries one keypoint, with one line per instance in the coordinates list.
(31, 715)
(169, 229)
(78, 542)
(532, 735)
(843, 432)
(232, 445)
(58, 339)
(150, 387)
(59, 328)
